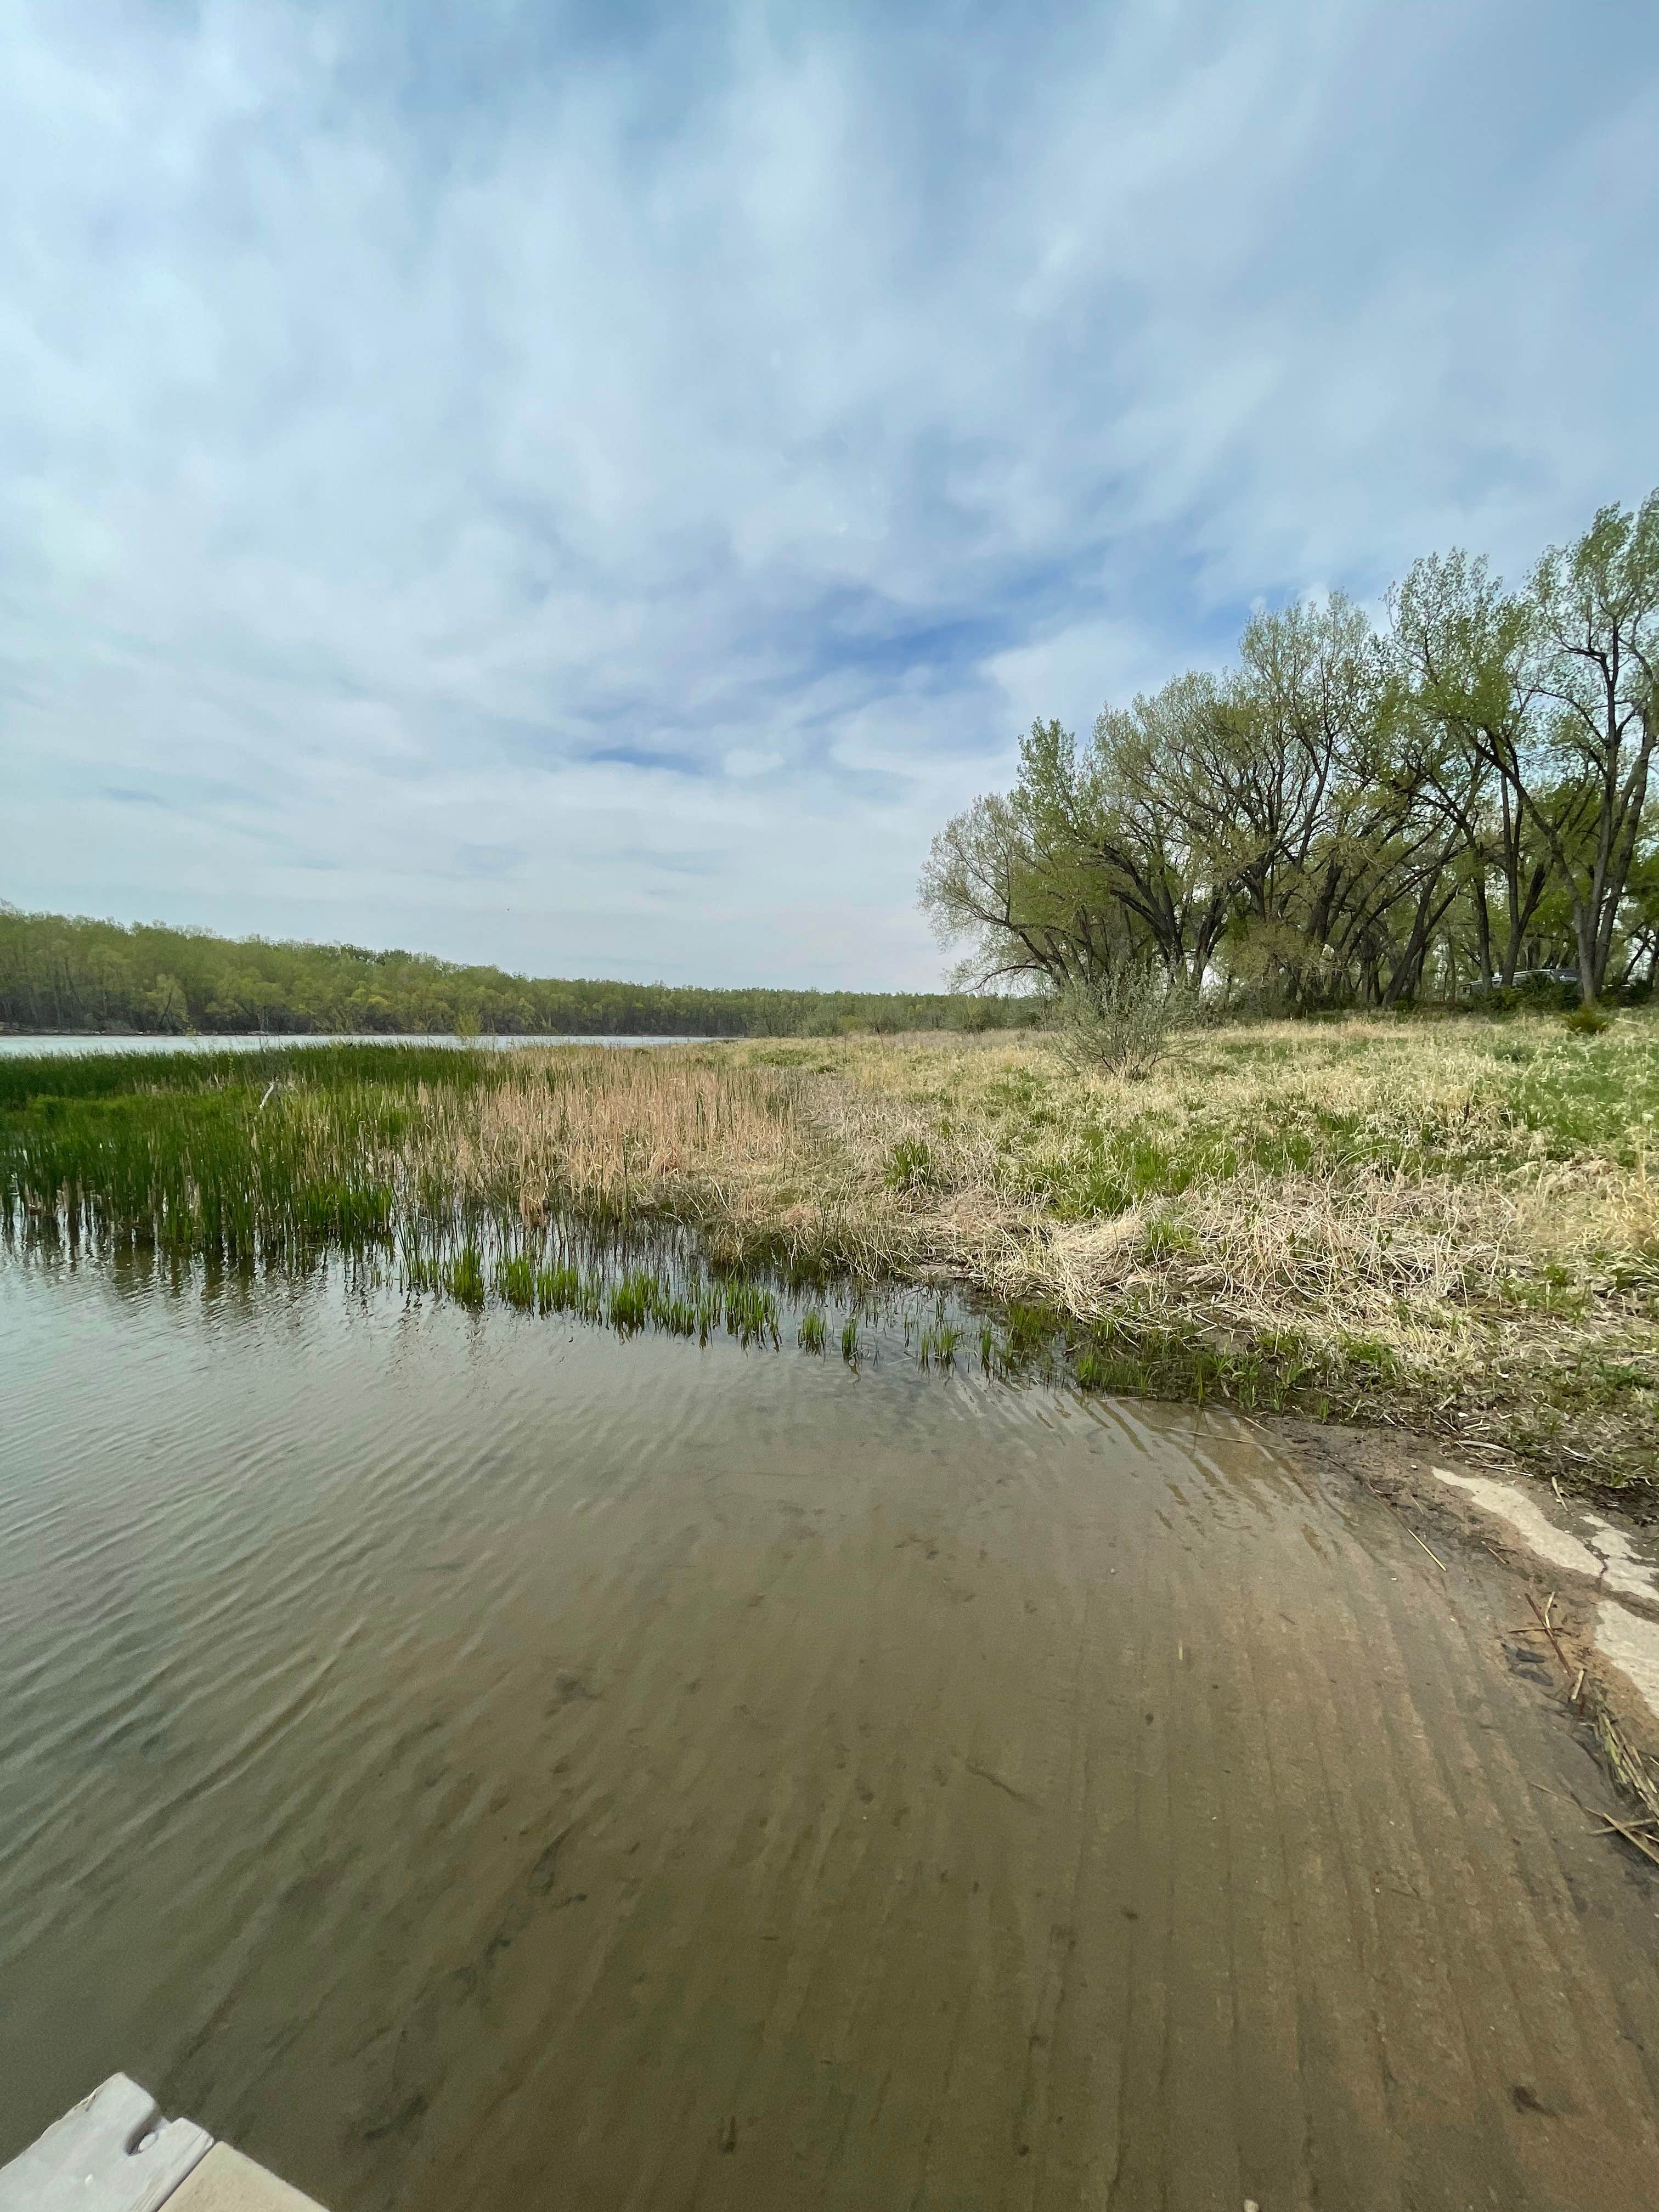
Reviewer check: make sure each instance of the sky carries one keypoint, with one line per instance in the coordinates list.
(594, 486)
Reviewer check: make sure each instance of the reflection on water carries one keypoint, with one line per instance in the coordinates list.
(485, 1761)
(28, 1047)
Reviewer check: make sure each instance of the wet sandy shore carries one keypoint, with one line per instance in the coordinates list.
(539, 1771)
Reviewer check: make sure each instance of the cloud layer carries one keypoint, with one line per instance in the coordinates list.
(593, 487)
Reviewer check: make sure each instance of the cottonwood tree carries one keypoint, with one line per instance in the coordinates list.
(1595, 666)
(1335, 817)
(1029, 880)
(1467, 700)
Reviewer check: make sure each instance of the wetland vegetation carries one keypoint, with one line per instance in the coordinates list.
(1447, 1223)
(1259, 1154)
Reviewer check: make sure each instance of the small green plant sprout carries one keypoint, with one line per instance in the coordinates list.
(1030, 1331)
(464, 1277)
(987, 1347)
(910, 1166)
(849, 1339)
(1163, 1236)
(708, 1310)
(812, 1329)
(637, 1298)
(420, 1270)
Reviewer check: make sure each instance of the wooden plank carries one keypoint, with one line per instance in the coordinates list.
(225, 2181)
(112, 2153)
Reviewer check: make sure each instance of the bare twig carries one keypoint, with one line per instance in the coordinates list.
(1544, 1622)
(1631, 1836)
(1404, 1524)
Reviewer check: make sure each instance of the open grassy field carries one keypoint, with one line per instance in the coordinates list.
(1446, 1224)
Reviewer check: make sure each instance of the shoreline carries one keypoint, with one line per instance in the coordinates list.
(1451, 1229)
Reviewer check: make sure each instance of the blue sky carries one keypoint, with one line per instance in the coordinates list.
(594, 486)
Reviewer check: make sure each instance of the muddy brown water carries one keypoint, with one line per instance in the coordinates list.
(487, 1763)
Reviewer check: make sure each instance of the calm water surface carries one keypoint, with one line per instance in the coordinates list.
(483, 1763)
(18, 1047)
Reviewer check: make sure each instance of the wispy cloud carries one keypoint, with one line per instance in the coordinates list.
(593, 487)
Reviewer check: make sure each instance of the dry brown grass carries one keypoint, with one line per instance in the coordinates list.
(616, 1131)
(1462, 1211)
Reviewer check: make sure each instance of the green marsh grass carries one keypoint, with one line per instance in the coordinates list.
(1450, 1224)
(935, 1345)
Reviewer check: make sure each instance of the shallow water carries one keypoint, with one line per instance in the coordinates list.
(57, 1042)
(483, 1762)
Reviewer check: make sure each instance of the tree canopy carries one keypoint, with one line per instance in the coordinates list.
(62, 973)
(1354, 811)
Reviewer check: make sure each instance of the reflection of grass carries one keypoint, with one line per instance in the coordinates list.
(751, 1312)
(628, 1299)
(1451, 1222)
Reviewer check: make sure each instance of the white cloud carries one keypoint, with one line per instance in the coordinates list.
(598, 500)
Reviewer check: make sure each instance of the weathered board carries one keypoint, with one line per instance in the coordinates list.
(114, 2152)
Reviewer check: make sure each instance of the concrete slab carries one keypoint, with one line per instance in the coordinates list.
(1533, 1526)
(1632, 1644)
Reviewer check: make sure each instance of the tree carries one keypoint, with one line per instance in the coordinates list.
(1465, 692)
(1319, 821)
(1022, 879)
(1596, 663)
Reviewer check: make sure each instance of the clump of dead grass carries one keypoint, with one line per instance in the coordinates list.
(613, 1133)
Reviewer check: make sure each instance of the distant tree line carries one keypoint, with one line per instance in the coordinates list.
(61, 974)
(1437, 803)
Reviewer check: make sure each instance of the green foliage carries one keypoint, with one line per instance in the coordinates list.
(936, 1347)
(62, 973)
(751, 1312)
(464, 1276)
(910, 1165)
(1348, 815)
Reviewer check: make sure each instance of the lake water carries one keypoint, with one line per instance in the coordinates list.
(18, 1047)
(482, 1763)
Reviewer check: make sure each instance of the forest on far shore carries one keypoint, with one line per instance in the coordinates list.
(59, 973)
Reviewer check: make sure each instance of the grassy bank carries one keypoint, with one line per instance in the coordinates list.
(1449, 1225)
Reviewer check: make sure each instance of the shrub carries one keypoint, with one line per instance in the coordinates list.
(1123, 1021)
